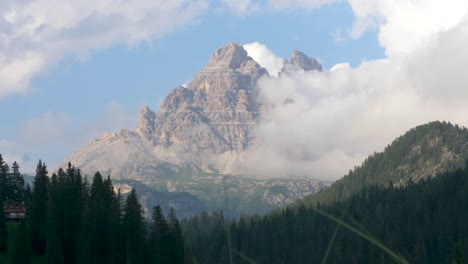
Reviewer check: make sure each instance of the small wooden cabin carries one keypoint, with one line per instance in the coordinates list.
(13, 210)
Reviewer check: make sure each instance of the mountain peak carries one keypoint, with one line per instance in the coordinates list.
(145, 126)
(230, 56)
(300, 61)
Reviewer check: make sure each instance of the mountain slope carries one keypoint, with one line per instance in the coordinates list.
(422, 152)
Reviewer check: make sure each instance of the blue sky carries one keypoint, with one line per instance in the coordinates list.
(72, 70)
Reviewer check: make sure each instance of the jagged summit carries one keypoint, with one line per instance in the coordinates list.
(230, 56)
(300, 61)
(228, 68)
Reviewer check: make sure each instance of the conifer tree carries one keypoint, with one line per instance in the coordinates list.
(16, 184)
(176, 240)
(103, 221)
(134, 229)
(3, 179)
(54, 224)
(83, 245)
(159, 230)
(38, 209)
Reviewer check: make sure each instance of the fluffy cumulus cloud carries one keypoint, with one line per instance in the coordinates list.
(321, 124)
(405, 26)
(265, 57)
(37, 33)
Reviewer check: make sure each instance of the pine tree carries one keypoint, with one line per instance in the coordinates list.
(38, 210)
(54, 224)
(3, 179)
(176, 239)
(16, 184)
(22, 246)
(134, 229)
(104, 223)
(159, 230)
(83, 245)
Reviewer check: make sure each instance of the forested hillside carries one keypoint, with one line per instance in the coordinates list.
(71, 220)
(422, 152)
(425, 222)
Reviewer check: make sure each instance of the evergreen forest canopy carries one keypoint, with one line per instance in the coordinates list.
(70, 220)
(424, 222)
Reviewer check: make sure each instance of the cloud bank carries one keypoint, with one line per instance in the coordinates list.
(321, 124)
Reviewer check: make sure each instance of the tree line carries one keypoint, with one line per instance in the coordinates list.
(72, 220)
(419, 223)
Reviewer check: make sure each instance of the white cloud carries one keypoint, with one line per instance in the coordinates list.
(321, 124)
(241, 7)
(339, 66)
(307, 4)
(265, 57)
(405, 26)
(35, 34)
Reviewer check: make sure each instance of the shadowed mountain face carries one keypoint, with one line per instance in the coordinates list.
(205, 126)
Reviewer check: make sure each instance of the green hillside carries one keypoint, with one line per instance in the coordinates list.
(422, 152)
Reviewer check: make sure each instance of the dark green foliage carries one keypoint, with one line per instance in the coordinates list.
(134, 229)
(3, 190)
(175, 239)
(422, 152)
(159, 230)
(22, 245)
(69, 221)
(3, 179)
(3, 231)
(103, 244)
(37, 211)
(424, 222)
(16, 184)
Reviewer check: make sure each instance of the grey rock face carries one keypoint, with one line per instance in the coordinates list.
(217, 110)
(300, 61)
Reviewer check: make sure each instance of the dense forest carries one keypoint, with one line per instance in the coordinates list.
(423, 222)
(70, 220)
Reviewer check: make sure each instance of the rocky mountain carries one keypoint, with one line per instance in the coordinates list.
(201, 130)
(422, 152)
(300, 61)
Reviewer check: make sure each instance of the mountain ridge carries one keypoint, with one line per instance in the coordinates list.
(422, 152)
